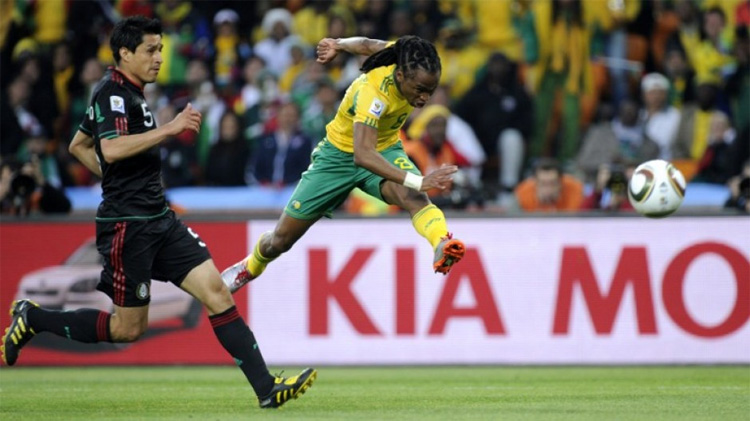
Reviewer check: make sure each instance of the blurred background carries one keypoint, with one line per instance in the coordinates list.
(581, 91)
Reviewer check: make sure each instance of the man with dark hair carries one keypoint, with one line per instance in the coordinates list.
(137, 235)
(549, 190)
(362, 149)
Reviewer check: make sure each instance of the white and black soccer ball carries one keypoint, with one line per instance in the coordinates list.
(656, 189)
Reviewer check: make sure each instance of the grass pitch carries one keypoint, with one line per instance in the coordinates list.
(392, 393)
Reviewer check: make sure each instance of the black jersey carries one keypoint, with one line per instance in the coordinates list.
(131, 188)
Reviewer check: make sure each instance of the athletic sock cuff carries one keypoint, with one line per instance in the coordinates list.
(228, 316)
(422, 211)
(103, 333)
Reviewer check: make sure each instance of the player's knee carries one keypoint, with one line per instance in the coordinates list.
(219, 299)
(416, 201)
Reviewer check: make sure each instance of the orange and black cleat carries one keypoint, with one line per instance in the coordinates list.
(448, 252)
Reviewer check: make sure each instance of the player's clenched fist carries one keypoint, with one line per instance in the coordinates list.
(440, 178)
(326, 50)
(188, 119)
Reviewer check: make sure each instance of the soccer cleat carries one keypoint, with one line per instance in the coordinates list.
(19, 332)
(288, 388)
(236, 276)
(448, 252)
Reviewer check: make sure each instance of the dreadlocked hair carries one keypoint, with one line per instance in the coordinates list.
(409, 53)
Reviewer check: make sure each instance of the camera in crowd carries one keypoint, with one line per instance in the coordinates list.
(618, 180)
(16, 188)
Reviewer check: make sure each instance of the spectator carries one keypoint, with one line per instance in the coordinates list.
(257, 92)
(677, 70)
(321, 111)
(709, 56)
(41, 151)
(739, 187)
(50, 17)
(280, 157)
(372, 21)
(610, 191)
(42, 102)
(202, 94)
(500, 112)
(62, 74)
(563, 70)
(612, 18)
(715, 165)
(186, 37)
(661, 119)
(179, 165)
(297, 66)
(228, 158)
(430, 148)
(226, 42)
(311, 22)
(461, 136)
(18, 122)
(549, 190)
(608, 141)
(306, 84)
(276, 48)
(88, 77)
(461, 58)
(738, 83)
(12, 131)
(695, 124)
(24, 190)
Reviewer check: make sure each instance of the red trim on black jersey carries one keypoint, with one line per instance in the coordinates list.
(116, 71)
(121, 125)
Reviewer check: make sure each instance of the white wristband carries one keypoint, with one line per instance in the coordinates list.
(413, 181)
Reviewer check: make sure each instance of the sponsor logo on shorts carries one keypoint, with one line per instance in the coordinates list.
(142, 291)
(296, 204)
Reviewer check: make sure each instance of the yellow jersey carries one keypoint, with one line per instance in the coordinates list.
(374, 100)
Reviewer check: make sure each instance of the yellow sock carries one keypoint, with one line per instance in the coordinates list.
(430, 224)
(257, 263)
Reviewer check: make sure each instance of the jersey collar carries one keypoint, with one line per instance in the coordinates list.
(126, 78)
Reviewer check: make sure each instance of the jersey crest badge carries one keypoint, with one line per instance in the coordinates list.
(116, 103)
(377, 107)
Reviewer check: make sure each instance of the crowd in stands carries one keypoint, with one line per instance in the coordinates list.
(545, 105)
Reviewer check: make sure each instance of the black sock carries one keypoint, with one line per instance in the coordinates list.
(84, 325)
(239, 341)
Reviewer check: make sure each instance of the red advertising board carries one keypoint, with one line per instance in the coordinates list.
(53, 256)
(359, 291)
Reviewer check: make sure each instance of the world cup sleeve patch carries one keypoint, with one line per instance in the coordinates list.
(116, 103)
(377, 107)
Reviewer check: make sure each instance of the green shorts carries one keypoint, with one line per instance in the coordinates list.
(332, 175)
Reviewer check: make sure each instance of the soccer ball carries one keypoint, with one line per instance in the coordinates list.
(656, 189)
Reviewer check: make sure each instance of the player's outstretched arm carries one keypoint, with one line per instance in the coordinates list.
(367, 157)
(328, 48)
(82, 147)
(122, 147)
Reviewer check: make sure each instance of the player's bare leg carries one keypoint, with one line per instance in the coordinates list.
(429, 222)
(270, 245)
